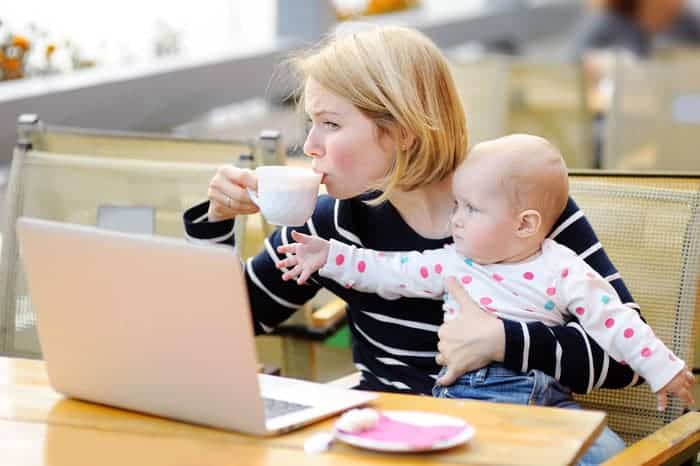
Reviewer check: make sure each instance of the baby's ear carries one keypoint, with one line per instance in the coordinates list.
(529, 223)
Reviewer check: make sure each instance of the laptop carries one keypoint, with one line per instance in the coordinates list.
(160, 326)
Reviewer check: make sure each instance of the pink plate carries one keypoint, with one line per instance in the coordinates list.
(406, 431)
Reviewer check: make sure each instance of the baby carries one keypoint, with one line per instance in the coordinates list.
(509, 192)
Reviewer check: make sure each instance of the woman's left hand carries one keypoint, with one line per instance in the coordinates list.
(470, 341)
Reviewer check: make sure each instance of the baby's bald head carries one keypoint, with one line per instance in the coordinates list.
(530, 171)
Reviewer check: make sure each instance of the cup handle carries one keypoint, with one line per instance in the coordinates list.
(253, 196)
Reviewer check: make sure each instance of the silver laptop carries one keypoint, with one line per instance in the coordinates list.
(161, 326)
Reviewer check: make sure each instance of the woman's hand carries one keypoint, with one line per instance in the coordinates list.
(472, 340)
(227, 193)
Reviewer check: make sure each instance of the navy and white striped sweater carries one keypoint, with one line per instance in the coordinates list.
(394, 342)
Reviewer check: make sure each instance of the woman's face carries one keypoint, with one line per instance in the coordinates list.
(346, 146)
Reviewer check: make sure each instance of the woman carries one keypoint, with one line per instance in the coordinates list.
(386, 124)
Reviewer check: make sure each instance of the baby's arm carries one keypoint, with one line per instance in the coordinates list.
(391, 275)
(617, 328)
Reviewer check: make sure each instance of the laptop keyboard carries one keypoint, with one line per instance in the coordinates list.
(274, 408)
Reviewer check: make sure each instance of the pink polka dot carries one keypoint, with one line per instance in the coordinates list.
(381, 254)
(609, 322)
(339, 259)
(438, 268)
(466, 279)
(486, 301)
(628, 333)
(564, 273)
(348, 285)
(646, 352)
(497, 277)
(361, 266)
(671, 357)
(424, 272)
(590, 275)
(623, 363)
(579, 310)
(551, 291)
(402, 286)
(528, 275)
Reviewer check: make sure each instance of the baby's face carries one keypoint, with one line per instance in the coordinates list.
(484, 222)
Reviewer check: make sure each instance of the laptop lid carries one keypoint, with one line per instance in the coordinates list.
(157, 325)
(145, 323)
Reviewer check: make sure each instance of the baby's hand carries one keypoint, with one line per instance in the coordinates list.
(309, 254)
(680, 386)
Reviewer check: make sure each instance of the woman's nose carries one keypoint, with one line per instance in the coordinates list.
(312, 147)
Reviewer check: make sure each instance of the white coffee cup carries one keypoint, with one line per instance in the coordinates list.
(286, 195)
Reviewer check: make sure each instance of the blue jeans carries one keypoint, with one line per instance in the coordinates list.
(498, 384)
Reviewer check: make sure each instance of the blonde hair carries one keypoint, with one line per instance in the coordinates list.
(399, 79)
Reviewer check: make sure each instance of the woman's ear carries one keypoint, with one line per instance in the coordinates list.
(529, 223)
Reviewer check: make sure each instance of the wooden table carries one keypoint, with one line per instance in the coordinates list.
(40, 427)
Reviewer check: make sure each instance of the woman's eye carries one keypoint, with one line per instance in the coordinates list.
(330, 124)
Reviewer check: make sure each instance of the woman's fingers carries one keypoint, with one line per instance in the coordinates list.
(239, 176)
(228, 195)
(229, 204)
(460, 295)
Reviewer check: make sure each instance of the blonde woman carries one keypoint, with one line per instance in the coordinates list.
(387, 130)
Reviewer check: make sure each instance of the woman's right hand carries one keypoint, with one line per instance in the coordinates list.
(227, 193)
(470, 341)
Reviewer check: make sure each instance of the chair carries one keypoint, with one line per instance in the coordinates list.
(84, 176)
(481, 84)
(650, 227)
(654, 117)
(548, 98)
(502, 95)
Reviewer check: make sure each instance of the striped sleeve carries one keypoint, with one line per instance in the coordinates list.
(272, 300)
(566, 352)
(198, 228)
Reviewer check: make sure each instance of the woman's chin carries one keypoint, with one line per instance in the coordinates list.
(340, 192)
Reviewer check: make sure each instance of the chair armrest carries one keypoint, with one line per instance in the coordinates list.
(329, 314)
(675, 443)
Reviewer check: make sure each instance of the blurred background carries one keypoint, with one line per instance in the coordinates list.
(614, 83)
